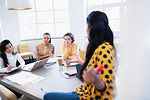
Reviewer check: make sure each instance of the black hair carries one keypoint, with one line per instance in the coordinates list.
(70, 35)
(2, 51)
(99, 33)
(48, 35)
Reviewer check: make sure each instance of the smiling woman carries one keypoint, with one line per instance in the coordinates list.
(45, 49)
(8, 57)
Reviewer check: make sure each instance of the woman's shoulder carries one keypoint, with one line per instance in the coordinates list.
(74, 44)
(39, 45)
(50, 45)
(104, 47)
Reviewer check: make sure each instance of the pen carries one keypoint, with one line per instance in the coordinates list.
(43, 90)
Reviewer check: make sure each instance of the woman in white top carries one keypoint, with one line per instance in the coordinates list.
(8, 57)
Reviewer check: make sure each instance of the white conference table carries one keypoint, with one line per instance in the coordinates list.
(54, 82)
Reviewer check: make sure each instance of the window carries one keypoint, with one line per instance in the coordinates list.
(1, 37)
(114, 9)
(46, 16)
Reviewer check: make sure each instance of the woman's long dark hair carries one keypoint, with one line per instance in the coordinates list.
(100, 32)
(2, 51)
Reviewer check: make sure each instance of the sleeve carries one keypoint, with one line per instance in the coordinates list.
(2, 68)
(21, 61)
(105, 57)
(74, 50)
(64, 52)
(53, 51)
(37, 53)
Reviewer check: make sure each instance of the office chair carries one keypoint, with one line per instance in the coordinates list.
(6, 94)
(82, 54)
(24, 51)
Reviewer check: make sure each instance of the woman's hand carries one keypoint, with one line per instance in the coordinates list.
(9, 68)
(91, 76)
(77, 59)
(68, 46)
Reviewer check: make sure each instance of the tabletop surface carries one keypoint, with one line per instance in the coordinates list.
(53, 81)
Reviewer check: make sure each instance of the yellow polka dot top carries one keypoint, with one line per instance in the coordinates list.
(103, 55)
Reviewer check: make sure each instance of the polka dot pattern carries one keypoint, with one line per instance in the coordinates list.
(103, 55)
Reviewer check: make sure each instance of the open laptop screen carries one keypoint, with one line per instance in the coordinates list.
(78, 68)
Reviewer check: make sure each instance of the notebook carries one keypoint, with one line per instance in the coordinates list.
(51, 61)
(13, 69)
(35, 65)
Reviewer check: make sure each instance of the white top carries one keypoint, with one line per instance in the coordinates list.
(12, 61)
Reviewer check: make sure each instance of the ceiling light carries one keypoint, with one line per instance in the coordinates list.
(19, 4)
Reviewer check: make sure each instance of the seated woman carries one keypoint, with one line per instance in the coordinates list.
(100, 52)
(8, 57)
(45, 49)
(69, 47)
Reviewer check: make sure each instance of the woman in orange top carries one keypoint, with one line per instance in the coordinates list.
(100, 51)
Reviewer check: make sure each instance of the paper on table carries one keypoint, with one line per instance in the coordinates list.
(24, 78)
(53, 59)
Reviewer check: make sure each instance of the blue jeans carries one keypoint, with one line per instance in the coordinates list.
(61, 96)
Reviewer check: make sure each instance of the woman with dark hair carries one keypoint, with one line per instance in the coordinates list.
(45, 49)
(100, 52)
(69, 47)
(8, 57)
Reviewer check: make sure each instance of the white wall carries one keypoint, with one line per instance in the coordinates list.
(78, 22)
(134, 71)
(0, 30)
(10, 25)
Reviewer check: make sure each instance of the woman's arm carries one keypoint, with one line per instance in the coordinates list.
(64, 52)
(77, 59)
(2, 68)
(53, 51)
(21, 61)
(91, 76)
(37, 53)
(73, 51)
(46, 56)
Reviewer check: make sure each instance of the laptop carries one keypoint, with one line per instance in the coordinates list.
(35, 65)
(78, 68)
(13, 69)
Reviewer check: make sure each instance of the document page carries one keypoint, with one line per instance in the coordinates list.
(23, 78)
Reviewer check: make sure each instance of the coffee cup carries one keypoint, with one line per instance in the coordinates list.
(67, 64)
(60, 62)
